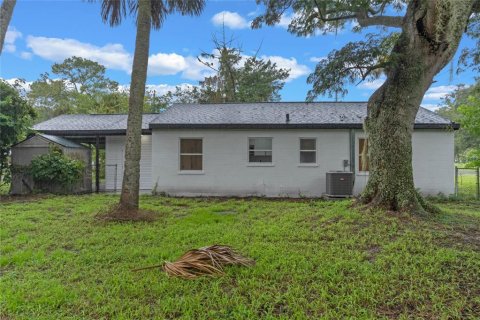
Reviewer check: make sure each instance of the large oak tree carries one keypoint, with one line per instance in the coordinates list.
(418, 38)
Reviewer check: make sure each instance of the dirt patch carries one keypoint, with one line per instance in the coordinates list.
(182, 205)
(372, 253)
(117, 214)
(226, 212)
(23, 198)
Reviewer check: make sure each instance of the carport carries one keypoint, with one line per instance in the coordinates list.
(91, 129)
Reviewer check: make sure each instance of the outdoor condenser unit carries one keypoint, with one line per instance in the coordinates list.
(339, 183)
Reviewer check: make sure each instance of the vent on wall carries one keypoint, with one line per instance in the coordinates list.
(339, 184)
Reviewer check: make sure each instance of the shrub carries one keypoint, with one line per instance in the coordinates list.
(55, 167)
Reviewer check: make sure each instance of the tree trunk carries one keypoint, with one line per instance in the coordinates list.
(131, 174)
(6, 12)
(431, 32)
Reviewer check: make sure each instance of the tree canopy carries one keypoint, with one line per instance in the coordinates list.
(463, 106)
(370, 58)
(79, 86)
(16, 116)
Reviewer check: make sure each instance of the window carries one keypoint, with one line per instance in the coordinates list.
(363, 158)
(308, 150)
(260, 150)
(191, 154)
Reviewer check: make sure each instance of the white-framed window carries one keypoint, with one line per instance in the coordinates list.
(191, 154)
(260, 150)
(363, 158)
(308, 150)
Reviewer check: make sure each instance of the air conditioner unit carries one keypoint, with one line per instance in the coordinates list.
(339, 184)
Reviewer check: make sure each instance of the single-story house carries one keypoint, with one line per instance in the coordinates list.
(259, 149)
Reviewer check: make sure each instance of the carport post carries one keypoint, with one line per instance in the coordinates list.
(97, 164)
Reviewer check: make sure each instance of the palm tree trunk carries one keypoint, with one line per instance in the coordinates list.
(131, 174)
(6, 12)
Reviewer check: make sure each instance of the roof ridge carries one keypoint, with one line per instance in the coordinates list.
(266, 102)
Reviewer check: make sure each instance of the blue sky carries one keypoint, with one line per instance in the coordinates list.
(44, 32)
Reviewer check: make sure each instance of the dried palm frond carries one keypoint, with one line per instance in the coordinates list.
(226, 255)
(204, 261)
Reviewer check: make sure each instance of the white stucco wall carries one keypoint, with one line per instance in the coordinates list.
(433, 162)
(226, 170)
(114, 162)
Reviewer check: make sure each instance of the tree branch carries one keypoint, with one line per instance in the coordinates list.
(362, 17)
(387, 21)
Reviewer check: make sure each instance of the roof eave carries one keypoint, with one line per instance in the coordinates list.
(118, 132)
(454, 126)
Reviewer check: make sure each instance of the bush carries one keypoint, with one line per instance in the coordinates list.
(55, 167)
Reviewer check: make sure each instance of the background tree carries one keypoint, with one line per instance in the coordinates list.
(6, 12)
(465, 140)
(149, 13)
(470, 119)
(419, 37)
(16, 116)
(237, 78)
(79, 86)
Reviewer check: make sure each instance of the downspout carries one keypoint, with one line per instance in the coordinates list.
(352, 152)
(97, 164)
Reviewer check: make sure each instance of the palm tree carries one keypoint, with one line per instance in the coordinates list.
(6, 12)
(149, 13)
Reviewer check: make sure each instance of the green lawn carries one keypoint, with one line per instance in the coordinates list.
(314, 259)
(467, 186)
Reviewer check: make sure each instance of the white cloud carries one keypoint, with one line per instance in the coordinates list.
(439, 92)
(430, 106)
(317, 59)
(254, 13)
(112, 56)
(296, 70)
(161, 89)
(8, 47)
(10, 37)
(24, 85)
(231, 20)
(286, 19)
(26, 55)
(166, 64)
(372, 85)
(196, 70)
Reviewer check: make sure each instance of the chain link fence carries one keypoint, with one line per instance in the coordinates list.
(467, 183)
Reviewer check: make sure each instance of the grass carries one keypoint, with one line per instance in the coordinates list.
(467, 185)
(314, 259)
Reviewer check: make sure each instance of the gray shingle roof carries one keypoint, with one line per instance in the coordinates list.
(241, 115)
(88, 123)
(273, 115)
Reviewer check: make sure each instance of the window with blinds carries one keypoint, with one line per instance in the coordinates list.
(191, 154)
(308, 150)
